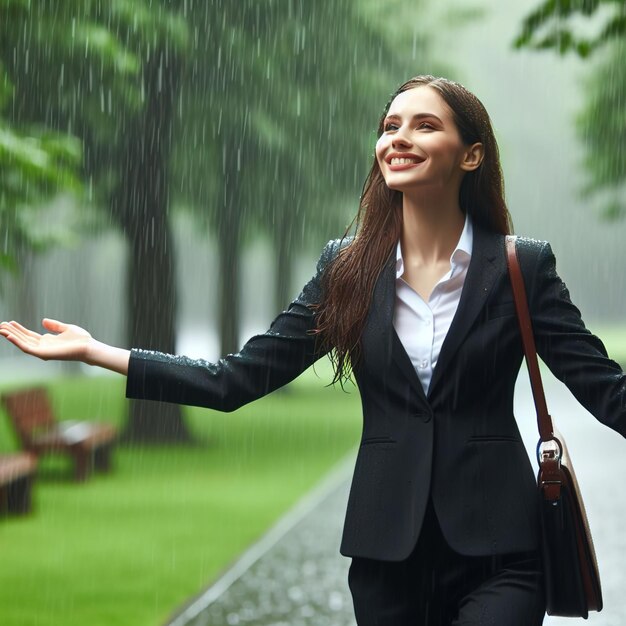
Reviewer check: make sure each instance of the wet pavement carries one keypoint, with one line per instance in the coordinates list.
(296, 577)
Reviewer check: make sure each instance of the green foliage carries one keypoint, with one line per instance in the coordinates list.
(274, 103)
(296, 89)
(554, 24)
(78, 66)
(71, 76)
(282, 83)
(602, 127)
(34, 165)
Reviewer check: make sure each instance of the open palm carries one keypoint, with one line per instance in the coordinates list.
(68, 343)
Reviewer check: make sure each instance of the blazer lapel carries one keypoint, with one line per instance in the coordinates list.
(403, 361)
(376, 341)
(486, 264)
(380, 342)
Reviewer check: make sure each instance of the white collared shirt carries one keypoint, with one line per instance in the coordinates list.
(423, 326)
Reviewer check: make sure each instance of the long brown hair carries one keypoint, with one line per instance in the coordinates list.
(348, 282)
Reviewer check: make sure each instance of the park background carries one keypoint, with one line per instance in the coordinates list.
(169, 171)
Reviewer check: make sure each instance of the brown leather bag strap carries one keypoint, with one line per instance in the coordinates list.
(544, 421)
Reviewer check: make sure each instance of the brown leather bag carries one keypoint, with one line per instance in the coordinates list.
(569, 560)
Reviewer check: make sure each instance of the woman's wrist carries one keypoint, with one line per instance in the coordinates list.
(103, 355)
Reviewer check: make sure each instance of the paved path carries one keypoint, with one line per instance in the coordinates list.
(301, 581)
(296, 577)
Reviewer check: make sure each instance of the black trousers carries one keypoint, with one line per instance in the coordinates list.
(436, 586)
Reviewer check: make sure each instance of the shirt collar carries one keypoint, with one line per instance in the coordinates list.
(461, 255)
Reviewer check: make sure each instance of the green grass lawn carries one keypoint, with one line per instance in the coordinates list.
(129, 547)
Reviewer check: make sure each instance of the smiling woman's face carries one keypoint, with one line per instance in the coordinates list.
(420, 143)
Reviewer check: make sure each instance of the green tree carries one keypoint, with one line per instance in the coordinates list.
(264, 107)
(559, 25)
(285, 98)
(35, 163)
(556, 24)
(601, 126)
(108, 74)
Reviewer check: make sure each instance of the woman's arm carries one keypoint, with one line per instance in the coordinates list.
(265, 363)
(66, 342)
(574, 355)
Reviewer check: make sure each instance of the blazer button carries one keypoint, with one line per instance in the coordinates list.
(425, 417)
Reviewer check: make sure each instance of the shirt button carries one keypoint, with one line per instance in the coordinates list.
(423, 364)
(427, 322)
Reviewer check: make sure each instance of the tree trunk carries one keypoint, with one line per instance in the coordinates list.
(284, 271)
(142, 206)
(229, 236)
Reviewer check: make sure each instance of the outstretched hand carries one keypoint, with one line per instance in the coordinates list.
(69, 343)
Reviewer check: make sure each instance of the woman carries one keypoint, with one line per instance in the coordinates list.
(442, 520)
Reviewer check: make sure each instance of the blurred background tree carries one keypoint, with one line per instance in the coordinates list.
(256, 116)
(108, 73)
(562, 24)
(598, 28)
(283, 98)
(35, 164)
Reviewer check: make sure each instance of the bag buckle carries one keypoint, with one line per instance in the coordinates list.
(549, 454)
(550, 450)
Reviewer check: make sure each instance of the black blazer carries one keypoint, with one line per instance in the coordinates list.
(460, 443)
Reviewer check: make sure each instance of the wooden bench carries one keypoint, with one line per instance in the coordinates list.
(16, 477)
(89, 443)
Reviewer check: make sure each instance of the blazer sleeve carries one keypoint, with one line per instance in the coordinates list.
(266, 362)
(574, 355)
